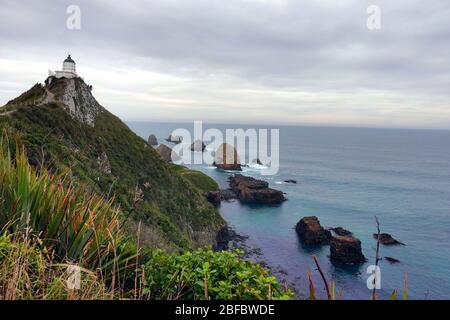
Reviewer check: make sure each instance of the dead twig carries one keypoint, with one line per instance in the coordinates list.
(377, 259)
(327, 287)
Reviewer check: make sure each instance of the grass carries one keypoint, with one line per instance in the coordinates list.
(198, 179)
(171, 205)
(72, 223)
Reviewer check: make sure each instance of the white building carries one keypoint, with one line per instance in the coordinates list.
(68, 70)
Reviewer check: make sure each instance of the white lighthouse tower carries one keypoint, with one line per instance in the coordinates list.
(68, 70)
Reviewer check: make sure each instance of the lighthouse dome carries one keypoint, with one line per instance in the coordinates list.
(69, 65)
(69, 59)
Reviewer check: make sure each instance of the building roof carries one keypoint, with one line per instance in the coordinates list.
(69, 59)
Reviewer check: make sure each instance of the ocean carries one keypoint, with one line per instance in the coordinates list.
(346, 177)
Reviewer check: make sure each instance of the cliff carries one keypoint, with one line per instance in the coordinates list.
(64, 128)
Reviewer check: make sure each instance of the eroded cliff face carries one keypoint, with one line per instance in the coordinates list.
(76, 95)
(64, 128)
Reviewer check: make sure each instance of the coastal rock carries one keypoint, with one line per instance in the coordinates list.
(223, 238)
(76, 96)
(167, 154)
(214, 197)
(174, 139)
(227, 158)
(392, 260)
(257, 161)
(227, 194)
(387, 239)
(152, 140)
(103, 163)
(251, 190)
(346, 250)
(341, 231)
(198, 145)
(310, 232)
(291, 181)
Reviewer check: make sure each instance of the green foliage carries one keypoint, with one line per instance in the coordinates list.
(26, 273)
(199, 180)
(31, 96)
(73, 224)
(170, 205)
(204, 274)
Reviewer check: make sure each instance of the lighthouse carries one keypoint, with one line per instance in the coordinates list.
(68, 69)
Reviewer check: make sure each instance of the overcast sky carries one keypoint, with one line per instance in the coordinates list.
(245, 61)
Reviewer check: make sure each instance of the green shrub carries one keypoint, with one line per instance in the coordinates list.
(205, 274)
(71, 223)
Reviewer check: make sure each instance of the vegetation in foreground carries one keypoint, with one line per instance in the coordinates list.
(47, 225)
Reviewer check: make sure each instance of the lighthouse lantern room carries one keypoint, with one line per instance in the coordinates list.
(68, 70)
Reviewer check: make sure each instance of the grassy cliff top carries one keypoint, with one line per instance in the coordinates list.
(114, 162)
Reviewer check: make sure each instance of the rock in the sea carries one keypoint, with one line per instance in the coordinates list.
(291, 181)
(174, 139)
(257, 161)
(341, 231)
(310, 232)
(227, 194)
(251, 190)
(152, 140)
(214, 197)
(392, 260)
(198, 145)
(387, 239)
(227, 158)
(346, 250)
(167, 154)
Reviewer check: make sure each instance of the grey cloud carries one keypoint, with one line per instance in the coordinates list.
(292, 45)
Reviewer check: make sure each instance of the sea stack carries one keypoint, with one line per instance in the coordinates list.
(198, 145)
(346, 250)
(227, 158)
(152, 140)
(311, 233)
(387, 239)
(167, 154)
(174, 139)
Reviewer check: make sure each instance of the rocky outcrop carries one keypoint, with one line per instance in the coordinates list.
(198, 145)
(214, 197)
(251, 190)
(257, 161)
(387, 239)
(167, 154)
(311, 233)
(103, 163)
(77, 96)
(341, 231)
(222, 238)
(152, 140)
(291, 181)
(174, 139)
(227, 158)
(346, 250)
(227, 194)
(391, 260)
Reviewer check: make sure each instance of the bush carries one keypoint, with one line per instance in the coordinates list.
(204, 274)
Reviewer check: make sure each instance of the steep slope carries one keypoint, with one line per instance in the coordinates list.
(64, 128)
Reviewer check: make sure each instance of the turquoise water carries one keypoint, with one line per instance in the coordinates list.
(346, 176)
